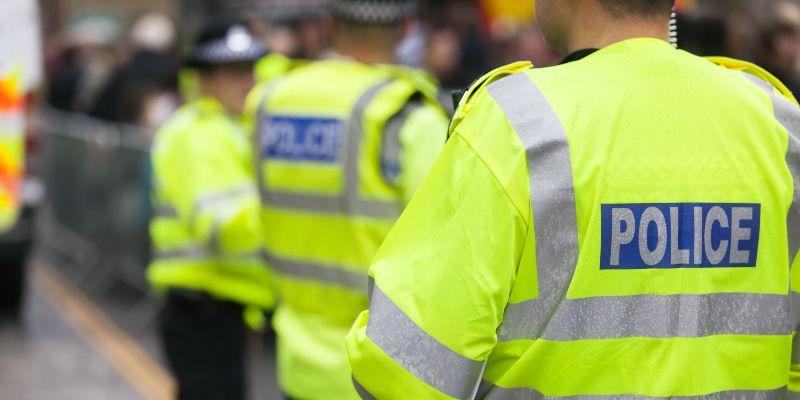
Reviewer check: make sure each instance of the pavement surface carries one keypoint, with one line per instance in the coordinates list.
(67, 344)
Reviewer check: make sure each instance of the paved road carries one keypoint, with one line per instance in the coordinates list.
(43, 357)
(66, 345)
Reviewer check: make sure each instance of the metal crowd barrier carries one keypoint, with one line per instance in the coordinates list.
(97, 208)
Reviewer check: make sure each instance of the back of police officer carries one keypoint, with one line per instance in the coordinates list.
(621, 226)
(206, 231)
(343, 144)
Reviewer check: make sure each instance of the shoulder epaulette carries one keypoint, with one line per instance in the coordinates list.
(463, 106)
(755, 70)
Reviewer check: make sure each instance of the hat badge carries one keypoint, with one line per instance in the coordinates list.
(238, 39)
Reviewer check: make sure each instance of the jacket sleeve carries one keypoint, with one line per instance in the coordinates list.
(794, 369)
(422, 139)
(442, 278)
(212, 187)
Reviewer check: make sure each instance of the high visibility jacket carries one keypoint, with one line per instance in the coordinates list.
(12, 148)
(617, 227)
(206, 229)
(273, 66)
(342, 148)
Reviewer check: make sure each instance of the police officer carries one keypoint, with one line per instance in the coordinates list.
(620, 226)
(343, 144)
(206, 229)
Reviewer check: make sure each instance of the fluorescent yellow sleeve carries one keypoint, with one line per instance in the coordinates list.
(433, 266)
(422, 138)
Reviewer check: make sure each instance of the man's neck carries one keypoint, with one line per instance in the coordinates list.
(366, 56)
(600, 33)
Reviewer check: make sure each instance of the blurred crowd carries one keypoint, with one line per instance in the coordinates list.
(128, 71)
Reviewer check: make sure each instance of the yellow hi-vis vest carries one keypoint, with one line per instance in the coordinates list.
(618, 227)
(205, 229)
(342, 148)
(12, 148)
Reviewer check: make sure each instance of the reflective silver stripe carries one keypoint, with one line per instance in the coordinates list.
(193, 253)
(212, 199)
(327, 274)
(792, 395)
(12, 124)
(261, 117)
(331, 204)
(795, 307)
(165, 212)
(419, 353)
(363, 393)
(655, 316)
(552, 195)
(200, 254)
(788, 114)
(392, 146)
(353, 145)
(498, 393)
(350, 202)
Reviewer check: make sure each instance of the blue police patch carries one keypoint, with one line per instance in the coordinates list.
(684, 235)
(302, 139)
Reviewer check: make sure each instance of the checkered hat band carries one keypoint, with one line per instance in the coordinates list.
(373, 12)
(218, 52)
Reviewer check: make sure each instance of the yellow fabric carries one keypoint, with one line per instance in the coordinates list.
(203, 173)
(635, 136)
(12, 147)
(653, 367)
(755, 70)
(275, 65)
(363, 355)
(313, 317)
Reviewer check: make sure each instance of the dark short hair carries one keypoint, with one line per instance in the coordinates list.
(644, 8)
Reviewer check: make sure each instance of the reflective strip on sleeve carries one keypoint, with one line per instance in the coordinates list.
(788, 115)
(498, 393)
(363, 393)
(552, 194)
(653, 316)
(196, 253)
(350, 201)
(168, 211)
(419, 353)
(165, 212)
(213, 199)
(317, 272)
(192, 253)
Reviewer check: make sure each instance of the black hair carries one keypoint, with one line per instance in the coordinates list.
(643, 8)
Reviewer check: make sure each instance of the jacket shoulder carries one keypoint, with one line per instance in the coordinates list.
(183, 127)
(467, 100)
(755, 71)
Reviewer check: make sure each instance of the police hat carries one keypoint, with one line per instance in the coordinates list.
(374, 12)
(224, 43)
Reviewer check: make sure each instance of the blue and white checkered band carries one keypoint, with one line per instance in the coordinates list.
(237, 46)
(374, 11)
